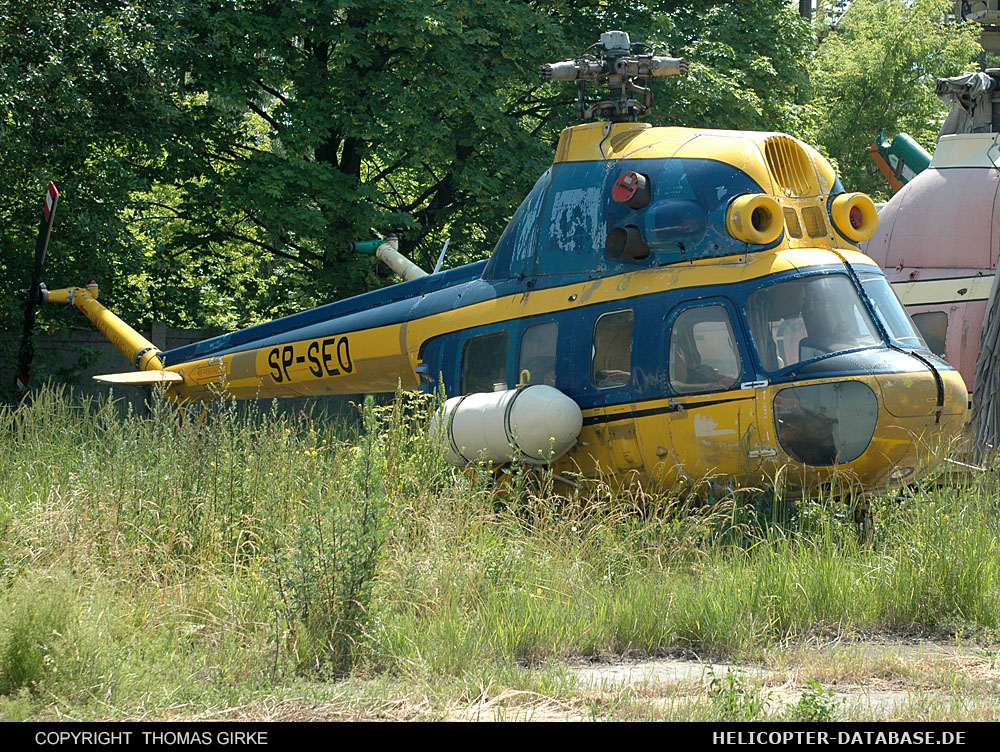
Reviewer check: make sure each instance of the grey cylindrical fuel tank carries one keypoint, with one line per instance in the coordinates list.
(535, 424)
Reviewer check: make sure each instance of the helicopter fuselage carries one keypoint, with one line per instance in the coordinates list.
(698, 294)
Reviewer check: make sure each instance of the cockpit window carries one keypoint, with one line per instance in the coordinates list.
(805, 318)
(703, 352)
(890, 311)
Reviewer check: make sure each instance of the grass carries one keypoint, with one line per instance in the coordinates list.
(273, 565)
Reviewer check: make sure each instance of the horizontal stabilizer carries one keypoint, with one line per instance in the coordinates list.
(140, 377)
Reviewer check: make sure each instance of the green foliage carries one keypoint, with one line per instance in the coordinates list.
(327, 119)
(32, 631)
(748, 65)
(79, 104)
(816, 705)
(325, 577)
(324, 572)
(216, 156)
(736, 697)
(48, 638)
(876, 69)
(16, 707)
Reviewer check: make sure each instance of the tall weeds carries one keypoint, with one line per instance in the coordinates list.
(150, 562)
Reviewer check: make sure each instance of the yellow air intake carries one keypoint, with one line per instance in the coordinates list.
(754, 218)
(854, 215)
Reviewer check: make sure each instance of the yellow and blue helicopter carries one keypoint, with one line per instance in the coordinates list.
(667, 304)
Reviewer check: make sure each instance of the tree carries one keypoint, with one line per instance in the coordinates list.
(78, 106)
(315, 121)
(749, 65)
(230, 149)
(876, 70)
(425, 117)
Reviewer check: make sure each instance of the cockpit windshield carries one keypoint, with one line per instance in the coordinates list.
(805, 318)
(890, 311)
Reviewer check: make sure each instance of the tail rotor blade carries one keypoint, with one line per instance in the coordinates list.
(33, 295)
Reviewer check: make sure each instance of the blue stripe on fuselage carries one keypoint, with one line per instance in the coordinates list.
(386, 305)
(654, 313)
(395, 304)
(649, 353)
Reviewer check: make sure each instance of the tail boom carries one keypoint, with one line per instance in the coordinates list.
(140, 352)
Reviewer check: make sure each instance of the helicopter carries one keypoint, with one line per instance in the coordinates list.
(948, 196)
(667, 304)
(952, 196)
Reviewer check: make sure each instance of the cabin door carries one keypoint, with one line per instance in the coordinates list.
(712, 415)
(613, 374)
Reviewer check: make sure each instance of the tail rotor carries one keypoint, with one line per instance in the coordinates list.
(34, 295)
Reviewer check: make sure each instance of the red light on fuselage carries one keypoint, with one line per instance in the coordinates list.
(631, 189)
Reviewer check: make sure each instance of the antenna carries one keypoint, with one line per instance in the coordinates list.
(615, 66)
(437, 266)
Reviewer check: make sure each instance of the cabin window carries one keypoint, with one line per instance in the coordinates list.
(703, 352)
(805, 318)
(484, 363)
(538, 353)
(934, 326)
(890, 311)
(612, 350)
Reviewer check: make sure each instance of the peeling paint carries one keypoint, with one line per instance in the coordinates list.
(705, 426)
(575, 214)
(527, 234)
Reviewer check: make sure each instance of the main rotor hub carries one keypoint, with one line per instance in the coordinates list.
(615, 67)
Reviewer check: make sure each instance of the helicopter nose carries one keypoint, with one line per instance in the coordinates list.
(924, 410)
(826, 424)
(930, 389)
(881, 428)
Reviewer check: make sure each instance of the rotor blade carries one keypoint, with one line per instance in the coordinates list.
(42, 244)
(140, 377)
(34, 294)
